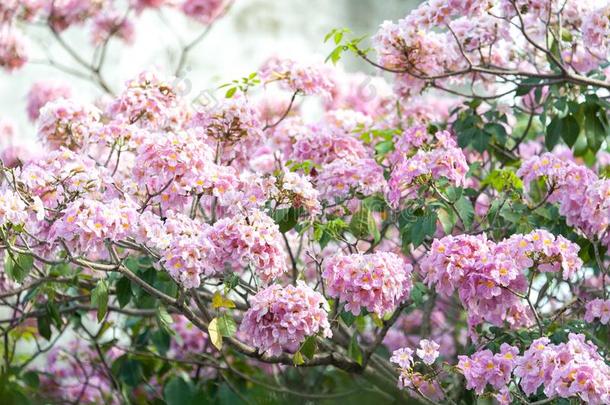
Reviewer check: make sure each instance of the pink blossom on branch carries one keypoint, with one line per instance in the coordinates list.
(281, 318)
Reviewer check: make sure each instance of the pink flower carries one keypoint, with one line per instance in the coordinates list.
(86, 224)
(343, 177)
(444, 160)
(64, 13)
(65, 123)
(403, 357)
(187, 256)
(598, 308)
(249, 239)
(295, 76)
(428, 351)
(204, 11)
(43, 92)
(574, 368)
(323, 144)
(281, 318)
(13, 50)
(111, 24)
(484, 367)
(12, 208)
(149, 101)
(378, 282)
(171, 165)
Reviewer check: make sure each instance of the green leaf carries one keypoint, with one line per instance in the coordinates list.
(348, 318)
(298, 359)
(19, 266)
(375, 203)
(54, 314)
(231, 92)
(164, 319)
(161, 340)
(338, 37)
(99, 299)
(44, 326)
(502, 179)
(31, 379)
(123, 291)
(354, 352)
(308, 348)
(453, 193)
(384, 147)
(178, 392)
(570, 130)
(361, 223)
(497, 132)
(286, 218)
(230, 282)
(226, 326)
(480, 141)
(335, 55)
(466, 210)
(565, 128)
(424, 226)
(594, 127)
(447, 218)
(417, 293)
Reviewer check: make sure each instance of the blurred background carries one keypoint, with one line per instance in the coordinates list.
(251, 32)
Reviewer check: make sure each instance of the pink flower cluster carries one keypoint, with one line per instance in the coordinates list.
(150, 101)
(409, 378)
(249, 239)
(484, 367)
(295, 76)
(230, 121)
(413, 45)
(65, 123)
(281, 318)
(598, 308)
(343, 176)
(187, 257)
(204, 11)
(378, 282)
(12, 208)
(293, 189)
(542, 249)
(111, 24)
(445, 37)
(231, 126)
(169, 165)
(86, 224)
(583, 198)
(64, 13)
(445, 160)
(43, 92)
(486, 273)
(13, 49)
(322, 144)
(61, 175)
(569, 369)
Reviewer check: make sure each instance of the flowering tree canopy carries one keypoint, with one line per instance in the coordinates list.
(440, 240)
